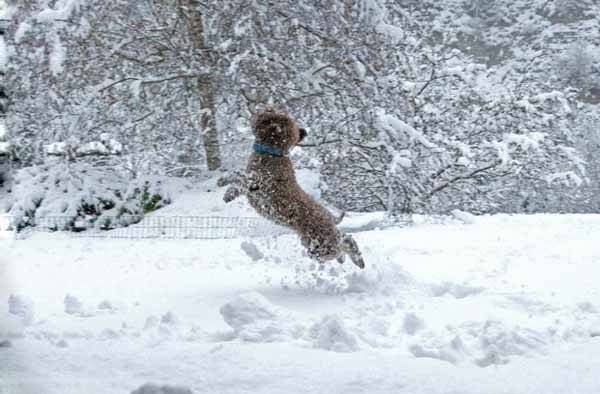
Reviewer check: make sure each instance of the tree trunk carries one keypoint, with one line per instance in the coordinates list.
(210, 134)
(206, 89)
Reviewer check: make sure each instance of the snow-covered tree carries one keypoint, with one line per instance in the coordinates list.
(412, 105)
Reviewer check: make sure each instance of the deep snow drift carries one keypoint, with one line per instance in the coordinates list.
(503, 304)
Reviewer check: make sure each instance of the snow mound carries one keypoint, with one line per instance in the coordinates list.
(587, 307)
(456, 290)
(378, 277)
(62, 344)
(151, 322)
(447, 352)
(150, 388)
(465, 217)
(497, 343)
(5, 344)
(332, 334)
(109, 334)
(72, 305)
(485, 343)
(255, 319)
(105, 305)
(412, 323)
(169, 318)
(21, 306)
(251, 250)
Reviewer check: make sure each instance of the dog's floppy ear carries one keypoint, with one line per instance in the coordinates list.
(302, 134)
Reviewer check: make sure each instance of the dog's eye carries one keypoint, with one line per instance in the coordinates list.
(302, 133)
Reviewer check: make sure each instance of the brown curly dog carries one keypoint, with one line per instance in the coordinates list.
(271, 187)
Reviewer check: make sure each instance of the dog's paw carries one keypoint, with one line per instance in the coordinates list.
(223, 181)
(231, 194)
(358, 260)
(350, 246)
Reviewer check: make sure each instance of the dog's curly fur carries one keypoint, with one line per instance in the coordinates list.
(271, 187)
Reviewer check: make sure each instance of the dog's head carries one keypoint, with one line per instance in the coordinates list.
(277, 129)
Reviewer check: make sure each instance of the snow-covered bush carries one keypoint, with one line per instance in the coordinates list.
(76, 196)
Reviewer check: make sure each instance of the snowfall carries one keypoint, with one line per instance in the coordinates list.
(464, 304)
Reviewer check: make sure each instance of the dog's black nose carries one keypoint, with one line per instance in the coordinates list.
(302, 134)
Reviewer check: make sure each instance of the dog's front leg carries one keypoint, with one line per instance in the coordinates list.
(236, 182)
(239, 184)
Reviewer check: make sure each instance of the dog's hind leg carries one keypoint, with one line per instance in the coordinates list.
(350, 247)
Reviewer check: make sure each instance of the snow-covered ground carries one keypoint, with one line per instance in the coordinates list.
(502, 304)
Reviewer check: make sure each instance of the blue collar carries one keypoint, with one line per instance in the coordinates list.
(258, 148)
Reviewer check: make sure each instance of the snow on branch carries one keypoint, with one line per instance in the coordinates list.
(512, 143)
(393, 126)
(23, 28)
(566, 178)
(106, 146)
(376, 14)
(5, 148)
(138, 82)
(57, 55)
(574, 157)
(470, 175)
(3, 54)
(528, 103)
(64, 9)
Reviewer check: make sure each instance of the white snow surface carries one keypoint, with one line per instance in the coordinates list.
(493, 304)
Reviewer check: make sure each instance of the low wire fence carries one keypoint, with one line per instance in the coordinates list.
(188, 227)
(133, 227)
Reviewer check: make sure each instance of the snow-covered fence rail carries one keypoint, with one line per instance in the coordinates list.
(136, 227)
